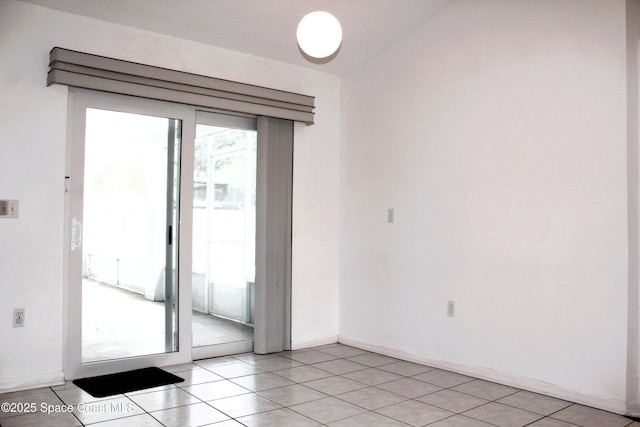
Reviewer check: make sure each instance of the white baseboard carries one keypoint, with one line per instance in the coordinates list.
(35, 381)
(297, 345)
(536, 386)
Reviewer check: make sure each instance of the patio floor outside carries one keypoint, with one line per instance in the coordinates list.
(118, 323)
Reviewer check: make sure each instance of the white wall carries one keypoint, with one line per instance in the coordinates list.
(32, 168)
(633, 178)
(497, 131)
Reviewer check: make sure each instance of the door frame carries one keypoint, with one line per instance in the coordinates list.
(273, 293)
(79, 101)
(231, 121)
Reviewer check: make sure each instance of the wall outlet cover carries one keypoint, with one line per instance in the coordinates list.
(18, 317)
(9, 208)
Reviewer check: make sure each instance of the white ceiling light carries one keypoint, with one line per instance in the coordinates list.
(319, 34)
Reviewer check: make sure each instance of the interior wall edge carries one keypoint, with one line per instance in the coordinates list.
(633, 194)
(576, 396)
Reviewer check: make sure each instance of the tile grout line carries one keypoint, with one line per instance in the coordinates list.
(268, 368)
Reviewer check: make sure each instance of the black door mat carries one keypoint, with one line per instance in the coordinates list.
(124, 382)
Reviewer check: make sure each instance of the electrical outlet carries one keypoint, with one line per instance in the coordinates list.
(18, 317)
(451, 308)
(391, 215)
(9, 208)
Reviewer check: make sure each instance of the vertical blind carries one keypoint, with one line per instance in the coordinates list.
(273, 235)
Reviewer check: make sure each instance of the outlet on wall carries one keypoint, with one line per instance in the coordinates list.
(18, 317)
(8, 209)
(451, 308)
(391, 215)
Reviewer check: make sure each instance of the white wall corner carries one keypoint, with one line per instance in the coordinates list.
(633, 396)
(633, 409)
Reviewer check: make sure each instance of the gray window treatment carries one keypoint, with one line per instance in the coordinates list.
(272, 314)
(88, 71)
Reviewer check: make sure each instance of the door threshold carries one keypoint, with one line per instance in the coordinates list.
(218, 350)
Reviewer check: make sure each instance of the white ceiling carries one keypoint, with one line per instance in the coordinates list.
(265, 27)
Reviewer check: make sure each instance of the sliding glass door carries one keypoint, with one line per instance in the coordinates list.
(165, 213)
(224, 234)
(125, 208)
(129, 219)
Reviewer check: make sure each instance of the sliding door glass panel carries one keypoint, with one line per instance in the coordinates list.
(224, 219)
(130, 201)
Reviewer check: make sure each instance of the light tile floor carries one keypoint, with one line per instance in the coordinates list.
(332, 385)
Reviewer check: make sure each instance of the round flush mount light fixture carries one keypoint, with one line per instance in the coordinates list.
(319, 34)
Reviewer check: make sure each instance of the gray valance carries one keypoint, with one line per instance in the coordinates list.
(87, 71)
